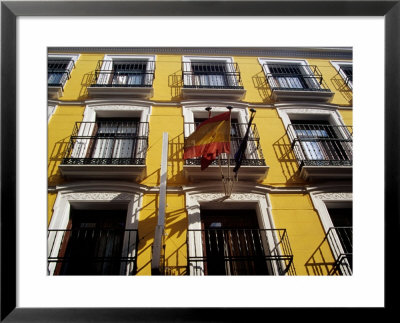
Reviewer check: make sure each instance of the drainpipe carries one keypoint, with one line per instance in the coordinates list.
(159, 230)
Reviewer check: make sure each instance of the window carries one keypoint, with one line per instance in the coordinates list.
(253, 165)
(236, 238)
(125, 71)
(114, 137)
(94, 231)
(233, 243)
(292, 76)
(58, 71)
(321, 143)
(59, 68)
(345, 70)
(92, 243)
(112, 141)
(211, 76)
(297, 79)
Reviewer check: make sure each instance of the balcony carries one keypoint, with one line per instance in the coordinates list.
(212, 80)
(297, 82)
(253, 167)
(89, 251)
(341, 242)
(239, 252)
(122, 78)
(323, 151)
(106, 149)
(58, 73)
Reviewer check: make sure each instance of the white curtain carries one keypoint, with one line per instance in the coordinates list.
(312, 149)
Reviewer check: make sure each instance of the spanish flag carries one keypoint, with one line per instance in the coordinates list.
(211, 138)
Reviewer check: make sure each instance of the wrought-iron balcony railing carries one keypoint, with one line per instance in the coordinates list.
(107, 143)
(321, 144)
(295, 77)
(239, 252)
(128, 73)
(253, 155)
(58, 71)
(341, 242)
(90, 251)
(211, 75)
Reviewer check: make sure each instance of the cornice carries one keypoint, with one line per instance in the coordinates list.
(345, 53)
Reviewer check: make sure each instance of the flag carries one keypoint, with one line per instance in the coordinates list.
(240, 154)
(211, 138)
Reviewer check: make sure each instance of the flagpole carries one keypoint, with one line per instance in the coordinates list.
(243, 145)
(228, 155)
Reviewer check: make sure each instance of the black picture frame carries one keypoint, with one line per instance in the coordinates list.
(10, 10)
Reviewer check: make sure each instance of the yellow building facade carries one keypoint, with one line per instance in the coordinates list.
(118, 119)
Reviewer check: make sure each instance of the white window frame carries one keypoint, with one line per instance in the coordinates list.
(288, 113)
(104, 78)
(337, 65)
(92, 112)
(302, 62)
(211, 59)
(321, 202)
(51, 109)
(260, 203)
(92, 199)
(72, 57)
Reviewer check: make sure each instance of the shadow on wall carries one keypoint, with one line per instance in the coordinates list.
(321, 262)
(87, 80)
(175, 159)
(55, 158)
(262, 86)
(342, 88)
(146, 230)
(175, 82)
(175, 255)
(174, 263)
(284, 154)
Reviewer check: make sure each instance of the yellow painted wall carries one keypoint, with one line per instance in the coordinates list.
(51, 198)
(175, 233)
(76, 87)
(59, 131)
(296, 214)
(165, 119)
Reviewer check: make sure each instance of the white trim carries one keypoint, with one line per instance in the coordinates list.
(290, 93)
(321, 201)
(110, 59)
(136, 172)
(260, 202)
(327, 113)
(90, 200)
(301, 62)
(337, 65)
(51, 109)
(232, 93)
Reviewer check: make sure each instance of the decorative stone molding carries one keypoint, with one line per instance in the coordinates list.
(109, 196)
(334, 196)
(234, 197)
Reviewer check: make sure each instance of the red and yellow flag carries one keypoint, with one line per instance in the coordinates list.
(211, 138)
